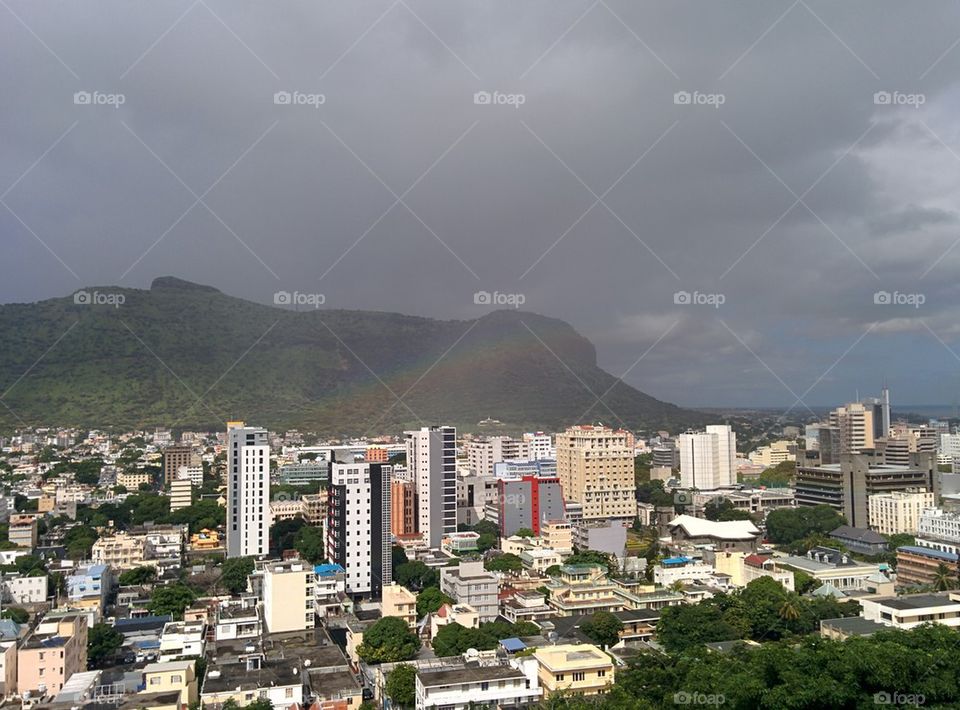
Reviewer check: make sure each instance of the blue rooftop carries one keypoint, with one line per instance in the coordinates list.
(676, 560)
(513, 645)
(929, 552)
(327, 570)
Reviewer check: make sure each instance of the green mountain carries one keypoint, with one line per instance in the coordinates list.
(188, 356)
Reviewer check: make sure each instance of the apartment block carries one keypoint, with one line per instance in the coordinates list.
(432, 464)
(288, 596)
(400, 602)
(580, 669)
(595, 467)
(898, 511)
(181, 494)
(51, 654)
(403, 508)
(248, 491)
(463, 686)
(469, 583)
(23, 531)
(358, 525)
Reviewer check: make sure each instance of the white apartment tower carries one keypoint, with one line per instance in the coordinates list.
(432, 463)
(358, 525)
(708, 458)
(248, 490)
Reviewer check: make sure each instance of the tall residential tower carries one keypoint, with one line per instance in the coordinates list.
(248, 490)
(432, 466)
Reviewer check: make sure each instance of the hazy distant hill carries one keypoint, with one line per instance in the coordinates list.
(181, 354)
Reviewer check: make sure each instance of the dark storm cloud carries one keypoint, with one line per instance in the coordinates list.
(827, 174)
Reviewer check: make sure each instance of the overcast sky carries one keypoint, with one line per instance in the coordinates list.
(813, 162)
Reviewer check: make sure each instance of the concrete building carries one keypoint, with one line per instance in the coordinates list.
(855, 424)
(88, 587)
(839, 570)
(173, 676)
(51, 654)
(175, 457)
(288, 596)
(595, 467)
(21, 589)
(775, 453)
(708, 458)
(23, 531)
(525, 501)
(399, 602)
(920, 565)
(940, 525)
(601, 535)
(305, 473)
(469, 583)
(483, 454)
(466, 685)
(181, 640)
(314, 508)
(181, 494)
(557, 535)
(403, 508)
(432, 465)
(580, 669)
(847, 485)
(358, 525)
(133, 478)
(248, 491)
(911, 610)
(899, 511)
(862, 540)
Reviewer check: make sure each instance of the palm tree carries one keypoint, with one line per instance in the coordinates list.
(789, 610)
(676, 586)
(942, 580)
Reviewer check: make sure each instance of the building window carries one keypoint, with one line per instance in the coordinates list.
(578, 676)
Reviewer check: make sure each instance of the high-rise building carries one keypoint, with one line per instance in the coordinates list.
(595, 467)
(539, 446)
(483, 454)
(432, 464)
(174, 457)
(855, 423)
(847, 486)
(358, 524)
(708, 458)
(248, 490)
(403, 508)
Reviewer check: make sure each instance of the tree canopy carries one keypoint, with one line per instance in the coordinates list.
(788, 525)
(387, 641)
(603, 628)
(401, 685)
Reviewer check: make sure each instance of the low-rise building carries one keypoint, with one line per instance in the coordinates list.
(512, 684)
(462, 614)
(469, 583)
(557, 535)
(88, 587)
(330, 591)
(51, 654)
(458, 543)
(911, 610)
(743, 568)
(920, 565)
(399, 602)
(21, 589)
(829, 566)
(862, 540)
(738, 535)
(525, 606)
(182, 639)
(132, 479)
(173, 676)
(580, 669)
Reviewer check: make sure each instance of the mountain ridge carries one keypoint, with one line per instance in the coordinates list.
(187, 355)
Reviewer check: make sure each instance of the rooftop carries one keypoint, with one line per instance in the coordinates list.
(727, 530)
(467, 674)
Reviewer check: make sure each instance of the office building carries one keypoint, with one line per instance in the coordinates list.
(595, 467)
(358, 525)
(174, 457)
(525, 499)
(432, 465)
(899, 511)
(482, 454)
(846, 486)
(248, 491)
(774, 454)
(708, 458)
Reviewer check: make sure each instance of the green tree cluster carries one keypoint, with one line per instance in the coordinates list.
(389, 640)
(790, 525)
